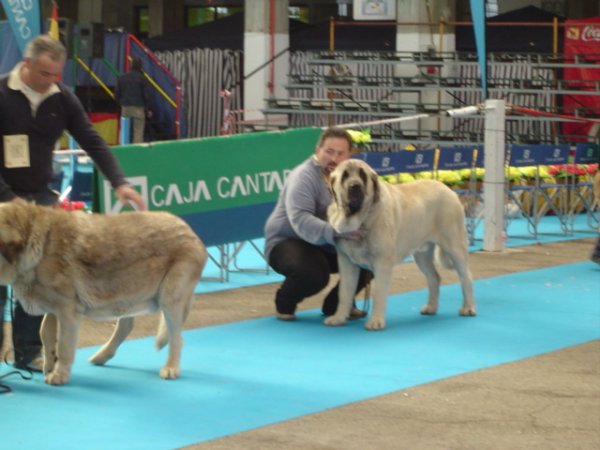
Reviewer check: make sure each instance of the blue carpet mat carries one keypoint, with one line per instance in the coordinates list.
(248, 257)
(245, 375)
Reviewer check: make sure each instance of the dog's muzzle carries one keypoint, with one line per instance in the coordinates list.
(356, 197)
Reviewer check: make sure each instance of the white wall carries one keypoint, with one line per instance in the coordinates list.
(88, 11)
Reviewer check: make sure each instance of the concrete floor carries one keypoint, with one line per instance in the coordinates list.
(551, 401)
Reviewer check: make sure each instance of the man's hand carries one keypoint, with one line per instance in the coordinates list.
(19, 200)
(127, 194)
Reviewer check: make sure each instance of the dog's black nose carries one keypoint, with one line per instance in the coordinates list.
(355, 197)
(354, 187)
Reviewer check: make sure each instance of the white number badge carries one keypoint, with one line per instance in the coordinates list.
(16, 151)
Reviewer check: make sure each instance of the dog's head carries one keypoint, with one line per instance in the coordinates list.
(354, 186)
(22, 238)
(11, 242)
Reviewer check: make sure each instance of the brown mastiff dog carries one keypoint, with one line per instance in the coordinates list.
(395, 221)
(67, 265)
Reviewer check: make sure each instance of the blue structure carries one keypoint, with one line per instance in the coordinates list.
(114, 47)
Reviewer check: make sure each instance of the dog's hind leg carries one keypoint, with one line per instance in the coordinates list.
(175, 300)
(424, 260)
(466, 282)
(173, 321)
(108, 350)
(461, 263)
(459, 253)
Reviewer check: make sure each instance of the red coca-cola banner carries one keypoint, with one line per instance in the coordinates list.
(582, 37)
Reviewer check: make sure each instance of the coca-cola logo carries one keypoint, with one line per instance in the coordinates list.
(590, 33)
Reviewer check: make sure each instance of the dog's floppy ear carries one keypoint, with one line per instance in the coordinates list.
(330, 188)
(11, 243)
(375, 182)
(10, 250)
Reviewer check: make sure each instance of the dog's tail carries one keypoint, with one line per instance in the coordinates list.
(162, 336)
(443, 258)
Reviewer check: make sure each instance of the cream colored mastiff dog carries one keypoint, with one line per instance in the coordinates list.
(395, 221)
(67, 265)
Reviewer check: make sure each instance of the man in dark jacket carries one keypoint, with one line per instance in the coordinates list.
(133, 94)
(35, 109)
(299, 241)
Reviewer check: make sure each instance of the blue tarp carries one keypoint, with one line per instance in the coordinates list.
(9, 49)
(114, 54)
(25, 20)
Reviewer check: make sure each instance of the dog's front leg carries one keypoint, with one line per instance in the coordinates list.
(68, 330)
(48, 334)
(382, 279)
(349, 273)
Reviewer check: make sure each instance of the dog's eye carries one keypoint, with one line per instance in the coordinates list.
(363, 176)
(344, 175)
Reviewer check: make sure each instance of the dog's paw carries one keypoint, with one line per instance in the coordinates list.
(48, 366)
(57, 378)
(169, 373)
(100, 357)
(375, 324)
(335, 321)
(467, 311)
(428, 310)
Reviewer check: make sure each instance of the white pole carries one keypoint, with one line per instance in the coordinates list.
(493, 196)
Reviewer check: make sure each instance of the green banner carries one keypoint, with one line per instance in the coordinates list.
(199, 175)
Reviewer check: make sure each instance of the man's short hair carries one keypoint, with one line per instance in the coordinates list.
(335, 132)
(45, 43)
(136, 63)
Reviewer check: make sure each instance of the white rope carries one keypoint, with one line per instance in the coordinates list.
(377, 122)
(457, 112)
(69, 152)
